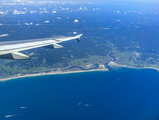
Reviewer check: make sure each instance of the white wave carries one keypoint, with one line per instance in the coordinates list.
(26, 107)
(10, 115)
(3, 35)
(87, 105)
(80, 103)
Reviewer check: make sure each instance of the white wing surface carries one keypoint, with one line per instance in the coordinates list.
(11, 50)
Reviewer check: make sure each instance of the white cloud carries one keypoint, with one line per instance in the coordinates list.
(139, 12)
(47, 21)
(16, 12)
(46, 11)
(22, 12)
(27, 24)
(118, 20)
(1, 12)
(3, 35)
(82, 8)
(106, 28)
(58, 17)
(32, 12)
(97, 8)
(54, 12)
(155, 12)
(118, 11)
(31, 23)
(74, 32)
(125, 13)
(41, 12)
(76, 20)
(1, 24)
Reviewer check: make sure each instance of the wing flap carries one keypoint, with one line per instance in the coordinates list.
(15, 56)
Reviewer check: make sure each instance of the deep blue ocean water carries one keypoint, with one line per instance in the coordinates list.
(124, 94)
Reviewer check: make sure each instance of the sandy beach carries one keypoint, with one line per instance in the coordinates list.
(51, 73)
(118, 65)
(69, 72)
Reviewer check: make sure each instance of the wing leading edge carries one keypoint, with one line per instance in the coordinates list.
(12, 51)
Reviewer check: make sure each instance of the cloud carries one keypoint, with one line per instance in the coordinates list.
(16, 12)
(54, 12)
(27, 24)
(3, 35)
(58, 17)
(1, 24)
(47, 21)
(82, 8)
(76, 20)
(32, 12)
(74, 32)
(2, 13)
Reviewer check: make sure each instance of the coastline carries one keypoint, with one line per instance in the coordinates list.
(111, 63)
(51, 73)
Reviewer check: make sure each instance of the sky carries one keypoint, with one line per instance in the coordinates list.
(151, 1)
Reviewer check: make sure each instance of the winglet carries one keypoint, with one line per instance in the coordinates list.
(78, 37)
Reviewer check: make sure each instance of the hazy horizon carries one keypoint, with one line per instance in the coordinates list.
(149, 1)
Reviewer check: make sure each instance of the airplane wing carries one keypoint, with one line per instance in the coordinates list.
(11, 50)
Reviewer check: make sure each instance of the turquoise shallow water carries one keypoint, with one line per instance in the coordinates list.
(125, 94)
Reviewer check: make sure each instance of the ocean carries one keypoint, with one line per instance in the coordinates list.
(123, 94)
